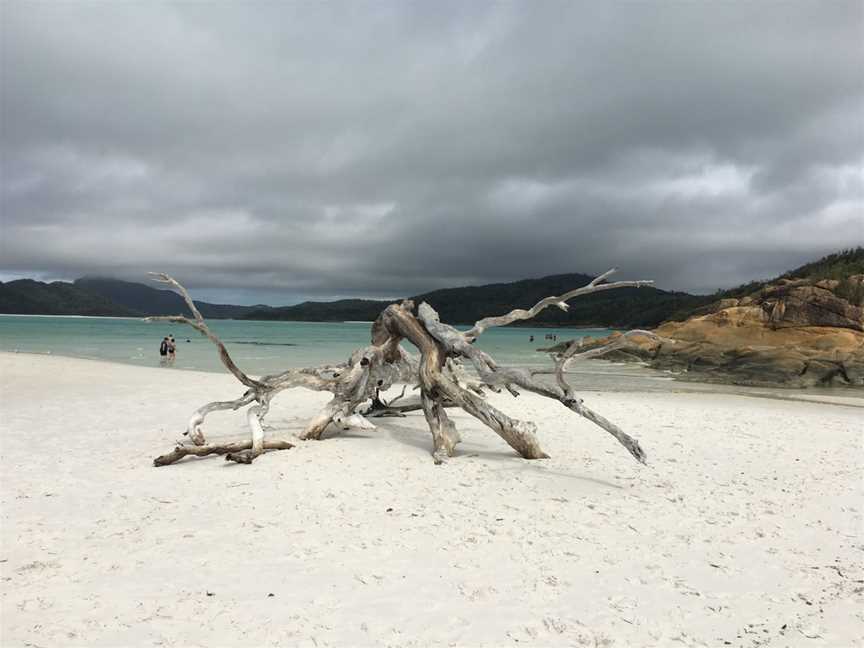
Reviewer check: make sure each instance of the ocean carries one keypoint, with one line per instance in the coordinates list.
(268, 347)
(257, 347)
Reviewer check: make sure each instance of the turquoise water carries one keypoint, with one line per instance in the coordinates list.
(257, 347)
(268, 347)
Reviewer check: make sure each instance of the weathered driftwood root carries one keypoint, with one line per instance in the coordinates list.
(369, 369)
(492, 375)
(375, 368)
(444, 433)
(436, 387)
(193, 427)
(230, 450)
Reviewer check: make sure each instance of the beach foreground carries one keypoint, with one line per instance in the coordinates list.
(745, 529)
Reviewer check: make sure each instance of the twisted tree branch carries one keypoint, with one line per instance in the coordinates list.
(561, 302)
(438, 373)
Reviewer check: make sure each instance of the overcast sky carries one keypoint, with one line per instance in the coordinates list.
(276, 152)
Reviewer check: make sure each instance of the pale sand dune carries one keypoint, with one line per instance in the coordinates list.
(746, 527)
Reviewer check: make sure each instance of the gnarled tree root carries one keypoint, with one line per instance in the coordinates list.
(235, 451)
(375, 368)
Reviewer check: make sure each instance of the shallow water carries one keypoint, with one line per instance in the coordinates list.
(257, 347)
(269, 347)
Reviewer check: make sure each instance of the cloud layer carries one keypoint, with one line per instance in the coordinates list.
(277, 152)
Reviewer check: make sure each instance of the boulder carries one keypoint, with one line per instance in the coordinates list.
(814, 305)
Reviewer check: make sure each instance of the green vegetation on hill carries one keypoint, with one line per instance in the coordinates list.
(106, 297)
(624, 308)
(839, 266)
(620, 308)
(141, 299)
(343, 310)
(30, 297)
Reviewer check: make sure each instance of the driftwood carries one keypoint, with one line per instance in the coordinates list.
(438, 374)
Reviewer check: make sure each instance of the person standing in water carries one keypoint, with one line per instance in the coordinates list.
(172, 349)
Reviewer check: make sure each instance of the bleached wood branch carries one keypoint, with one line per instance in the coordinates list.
(377, 366)
(193, 427)
(493, 375)
(219, 449)
(559, 301)
(201, 326)
(370, 370)
(574, 353)
(436, 387)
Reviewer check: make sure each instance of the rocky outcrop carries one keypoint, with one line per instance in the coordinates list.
(799, 304)
(792, 334)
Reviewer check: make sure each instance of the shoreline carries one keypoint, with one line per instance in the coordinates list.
(114, 317)
(839, 396)
(515, 325)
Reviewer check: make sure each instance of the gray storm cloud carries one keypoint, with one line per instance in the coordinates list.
(291, 151)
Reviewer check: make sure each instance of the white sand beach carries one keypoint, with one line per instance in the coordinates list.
(745, 529)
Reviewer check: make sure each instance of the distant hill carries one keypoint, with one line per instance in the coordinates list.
(29, 297)
(623, 308)
(343, 310)
(840, 267)
(105, 297)
(620, 308)
(146, 300)
(627, 307)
